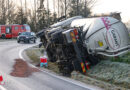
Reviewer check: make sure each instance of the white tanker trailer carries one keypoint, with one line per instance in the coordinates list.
(77, 42)
(105, 35)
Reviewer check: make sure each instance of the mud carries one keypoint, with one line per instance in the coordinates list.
(22, 69)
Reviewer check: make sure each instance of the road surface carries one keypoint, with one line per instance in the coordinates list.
(9, 51)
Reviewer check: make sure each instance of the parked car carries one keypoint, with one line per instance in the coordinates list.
(26, 37)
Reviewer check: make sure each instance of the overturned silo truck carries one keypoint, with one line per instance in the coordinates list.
(77, 42)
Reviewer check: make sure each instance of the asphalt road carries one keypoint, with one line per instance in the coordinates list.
(9, 51)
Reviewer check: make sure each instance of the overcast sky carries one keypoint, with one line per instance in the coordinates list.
(122, 6)
(102, 6)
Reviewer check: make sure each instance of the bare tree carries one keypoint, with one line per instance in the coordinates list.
(3, 12)
(54, 5)
(58, 8)
(81, 7)
(35, 15)
(21, 11)
(6, 11)
(48, 13)
(39, 16)
(77, 12)
(65, 9)
(25, 7)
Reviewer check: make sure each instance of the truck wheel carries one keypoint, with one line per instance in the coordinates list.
(65, 67)
(93, 60)
(3, 36)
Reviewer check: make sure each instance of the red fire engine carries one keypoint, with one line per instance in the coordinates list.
(12, 31)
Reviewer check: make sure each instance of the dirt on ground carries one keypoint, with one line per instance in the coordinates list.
(22, 69)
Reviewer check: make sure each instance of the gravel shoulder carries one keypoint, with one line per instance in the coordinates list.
(107, 74)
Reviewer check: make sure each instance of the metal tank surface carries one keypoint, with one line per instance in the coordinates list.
(104, 35)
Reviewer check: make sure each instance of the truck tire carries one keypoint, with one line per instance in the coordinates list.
(65, 67)
(93, 59)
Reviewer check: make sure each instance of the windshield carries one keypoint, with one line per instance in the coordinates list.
(27, 27)
(26, 33)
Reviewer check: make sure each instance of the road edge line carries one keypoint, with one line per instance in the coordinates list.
(2, 88)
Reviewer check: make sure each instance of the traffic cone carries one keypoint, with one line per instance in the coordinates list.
(1, 80)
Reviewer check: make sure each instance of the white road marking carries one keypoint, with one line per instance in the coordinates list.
(21, 51)
(20, 54)
(2, 88)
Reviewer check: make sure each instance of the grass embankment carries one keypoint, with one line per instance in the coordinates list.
(111, 74)
(125, 58)
(34, 55)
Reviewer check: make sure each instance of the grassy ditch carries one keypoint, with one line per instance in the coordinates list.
(34, 55)
(112, 72)
(124, 59)
(108, 74)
